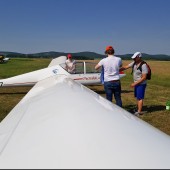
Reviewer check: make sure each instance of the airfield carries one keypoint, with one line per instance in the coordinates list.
(157, 92)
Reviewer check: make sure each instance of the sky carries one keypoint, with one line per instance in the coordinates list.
(33, 26)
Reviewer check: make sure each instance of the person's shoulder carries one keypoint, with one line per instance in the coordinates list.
(118, 58)
(103, 59)
(143, 64)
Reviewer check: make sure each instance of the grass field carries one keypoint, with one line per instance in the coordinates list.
(157, 92)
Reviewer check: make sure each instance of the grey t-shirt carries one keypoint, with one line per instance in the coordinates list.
(137, 74)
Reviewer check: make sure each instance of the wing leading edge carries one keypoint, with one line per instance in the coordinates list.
(62, 124)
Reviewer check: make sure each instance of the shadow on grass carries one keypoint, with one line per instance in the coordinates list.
(150, 109)
(103, 92)
(127, 91)
(154, 108)
(8, 93)
(130, 108)
(99, 91)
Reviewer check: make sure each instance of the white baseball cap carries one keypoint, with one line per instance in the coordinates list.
(137, 54)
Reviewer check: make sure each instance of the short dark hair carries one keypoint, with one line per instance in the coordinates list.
(111, 51)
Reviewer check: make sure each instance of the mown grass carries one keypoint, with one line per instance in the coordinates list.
(17, 66)
(157, 92)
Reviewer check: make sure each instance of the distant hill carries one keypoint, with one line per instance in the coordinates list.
(82, 55)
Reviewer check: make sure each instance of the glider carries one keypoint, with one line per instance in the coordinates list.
(85, 74)
(61, 124)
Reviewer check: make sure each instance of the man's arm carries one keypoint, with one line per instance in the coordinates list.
(97, 66)
(124, 67)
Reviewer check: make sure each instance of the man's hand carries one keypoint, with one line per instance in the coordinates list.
(133, 85)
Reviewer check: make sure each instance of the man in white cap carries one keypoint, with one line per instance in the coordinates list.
(140, 82)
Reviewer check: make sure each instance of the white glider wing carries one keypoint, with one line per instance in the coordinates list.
(62, 124)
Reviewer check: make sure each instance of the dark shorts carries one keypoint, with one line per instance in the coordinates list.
(140, 91)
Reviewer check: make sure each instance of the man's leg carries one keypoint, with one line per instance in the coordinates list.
(139, 94)
(108, 91)
(140, 105)
(117, 93)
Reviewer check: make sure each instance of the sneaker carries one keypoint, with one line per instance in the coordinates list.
(136, 113)
(135, 110)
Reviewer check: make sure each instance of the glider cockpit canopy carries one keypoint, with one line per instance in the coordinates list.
(83, 67)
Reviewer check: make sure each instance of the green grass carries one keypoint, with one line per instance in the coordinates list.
(18, 65)
(157, 92)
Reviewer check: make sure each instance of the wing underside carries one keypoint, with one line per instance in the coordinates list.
(63, 124)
